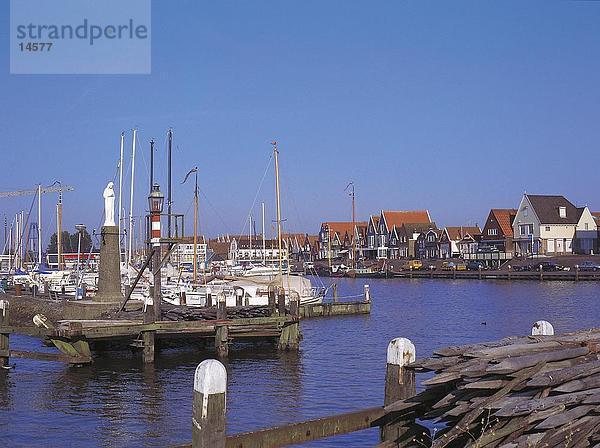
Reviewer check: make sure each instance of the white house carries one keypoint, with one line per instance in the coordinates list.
(552, 225)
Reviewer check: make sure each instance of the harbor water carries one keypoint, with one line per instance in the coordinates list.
(118, 402)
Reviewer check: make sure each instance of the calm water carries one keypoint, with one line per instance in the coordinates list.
(340, 367)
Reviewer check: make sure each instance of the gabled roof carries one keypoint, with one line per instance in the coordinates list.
(342, 227)
(419, 227)
(505, 217)
(546, 208)
(398, 217)
(458, 233)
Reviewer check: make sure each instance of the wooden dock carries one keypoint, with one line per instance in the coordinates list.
(500, 275)
(328, 309)
(77, 339)
(532, 391)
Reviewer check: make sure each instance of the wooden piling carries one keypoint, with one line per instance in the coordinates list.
(542, 328)
(148, 339)
(208, 297)
(335, 292)
(576, 272)
(4, 337)
(367, 294)
(509, 271)
(281, 301)
(221, 307)
(294, 304)
(400, 383)
(479, 268)
(238, 297)
(209, 405)
(222, 340)
(541, 273)
(18, 289)
(272, 300)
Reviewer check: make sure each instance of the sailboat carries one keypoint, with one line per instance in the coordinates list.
(252, 286)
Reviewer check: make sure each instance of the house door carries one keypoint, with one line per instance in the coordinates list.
(550, 245)
(559, 246)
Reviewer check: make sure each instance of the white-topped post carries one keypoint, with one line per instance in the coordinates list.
(542, 328)
(367, 294)
(209, 405)
(400, 382)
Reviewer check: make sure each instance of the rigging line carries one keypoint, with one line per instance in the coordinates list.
(292, 199)
(210, 204)
(256, 195)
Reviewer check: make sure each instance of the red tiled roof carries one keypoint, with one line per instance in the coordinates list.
(397, 218)
(504, 218)
(458, 233)
(341, 228)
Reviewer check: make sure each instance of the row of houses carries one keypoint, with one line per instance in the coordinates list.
(541, 225)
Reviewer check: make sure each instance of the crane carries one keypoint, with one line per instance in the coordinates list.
(56, 187)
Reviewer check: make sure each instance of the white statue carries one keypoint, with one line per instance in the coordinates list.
(109, 205)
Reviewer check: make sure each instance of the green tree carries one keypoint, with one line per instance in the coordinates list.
(69, 242)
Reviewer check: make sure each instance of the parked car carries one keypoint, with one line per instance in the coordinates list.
(451, 265)
(414, 265)
(589, 265)
(522, 268)
(549, 266)
(475, 265)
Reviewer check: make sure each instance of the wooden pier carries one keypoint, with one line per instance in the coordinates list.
(506, 274)
(77, 339)
(533, 391)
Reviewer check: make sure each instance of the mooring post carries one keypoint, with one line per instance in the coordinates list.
(454, 272)
(479, 267)
(367, 294)
(335, 294)
(222, 340)
(410, 269)
(281, 301)
(4, 337)
(576, 272)
(542, 328)
(221, 307)
(18, 288)
(541, 273)
(272, 300)
(208, 297)
(238, 297)
(209, 405)
(182, 298)
(294, 304)
(400, 383)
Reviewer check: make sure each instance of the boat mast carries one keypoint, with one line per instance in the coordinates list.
(130, 236)
(39, 226)
(148, 224)
(169, 192)
(196, 228)
(351, 185)
(276, 154)
(263, 235)
(250, 234)
(59, 229)
(121, 191)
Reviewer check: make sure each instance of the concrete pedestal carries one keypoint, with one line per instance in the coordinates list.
(109, 275)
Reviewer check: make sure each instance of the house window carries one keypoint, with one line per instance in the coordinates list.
(587, 226)
(525, 229)
(562, 212)
(525, 211)
(547, 228)
(492, 232)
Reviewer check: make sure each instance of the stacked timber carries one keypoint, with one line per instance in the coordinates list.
(238, 312)
(536, 391)
(185, 313)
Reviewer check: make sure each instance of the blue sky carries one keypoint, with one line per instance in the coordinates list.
(455, 107)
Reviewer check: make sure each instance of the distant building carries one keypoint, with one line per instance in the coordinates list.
(497, 234)
(336, 237)
(408, 235)
(551, 225)
(457, 241)
(383, 232)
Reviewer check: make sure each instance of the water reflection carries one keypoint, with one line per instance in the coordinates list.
(117, 402)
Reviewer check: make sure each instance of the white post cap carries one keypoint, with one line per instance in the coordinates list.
(542, 328)
(401, 352)
(210, 377)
